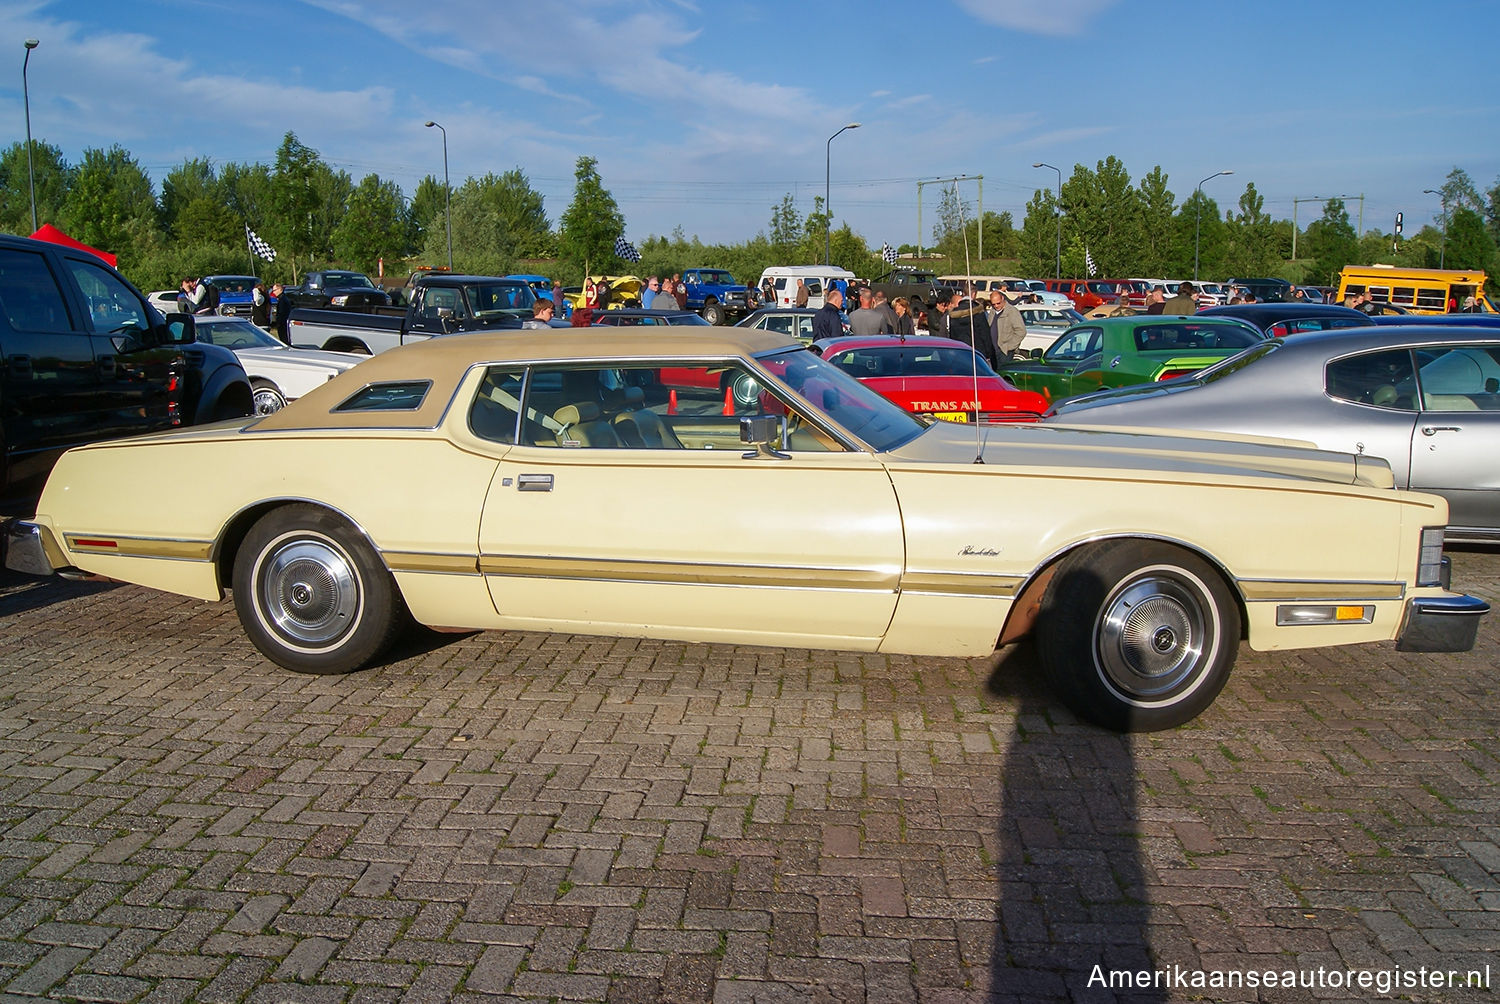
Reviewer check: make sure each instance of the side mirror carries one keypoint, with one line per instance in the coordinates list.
(764, 432)
(181, 329)
(1036, 353)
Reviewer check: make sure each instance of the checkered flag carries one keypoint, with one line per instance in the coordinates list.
(1088, 260)
(258, 247)
(625, 249)
(888, 254)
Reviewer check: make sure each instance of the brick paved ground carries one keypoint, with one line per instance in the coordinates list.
(528, 816)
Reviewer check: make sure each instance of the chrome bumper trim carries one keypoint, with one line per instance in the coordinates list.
(1441, 624)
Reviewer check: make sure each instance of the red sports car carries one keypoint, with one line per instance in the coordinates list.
(940, 377)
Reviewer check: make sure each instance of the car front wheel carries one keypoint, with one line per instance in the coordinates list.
(267, 396)
(713, 314)
(1138, 636)
(312, 594)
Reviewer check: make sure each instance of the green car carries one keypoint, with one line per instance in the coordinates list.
(1120, 351)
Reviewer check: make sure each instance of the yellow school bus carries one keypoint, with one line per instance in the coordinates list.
(1419, 290)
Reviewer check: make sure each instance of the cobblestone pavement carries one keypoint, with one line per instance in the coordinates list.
(528, 816)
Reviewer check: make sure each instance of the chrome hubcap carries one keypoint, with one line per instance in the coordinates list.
(309, 590)
(1152, 636)
(267, 400)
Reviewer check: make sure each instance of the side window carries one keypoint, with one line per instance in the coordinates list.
(32, 300)
(1381, 379)
(1074, 345)
(1462, 378)
(497, 406)
(113, 306)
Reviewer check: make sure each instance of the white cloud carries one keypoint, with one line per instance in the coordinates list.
(1038, 17)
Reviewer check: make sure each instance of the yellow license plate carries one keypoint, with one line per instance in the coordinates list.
(952, 416)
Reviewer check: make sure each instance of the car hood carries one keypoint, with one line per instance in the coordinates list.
(1179, 454)
(305, 358)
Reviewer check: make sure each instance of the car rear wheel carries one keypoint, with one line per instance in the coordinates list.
(312, 594)
(1138, 636)
(267, 396)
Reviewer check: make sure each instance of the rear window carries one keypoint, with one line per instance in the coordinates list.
(404, 396)
(1192, 337)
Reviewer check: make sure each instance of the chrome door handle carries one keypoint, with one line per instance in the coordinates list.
(534, 483)
(1433, 430)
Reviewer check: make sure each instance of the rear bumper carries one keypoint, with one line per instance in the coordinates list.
(30, 549)
(1441, 623)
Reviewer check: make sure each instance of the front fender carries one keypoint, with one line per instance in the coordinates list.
(225, 392)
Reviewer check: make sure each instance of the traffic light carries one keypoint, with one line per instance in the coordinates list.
(1396, 241)
(1398, 224)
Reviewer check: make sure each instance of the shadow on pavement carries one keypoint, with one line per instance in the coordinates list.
(20, 593)
(1071, 874)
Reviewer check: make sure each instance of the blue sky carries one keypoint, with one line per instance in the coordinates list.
(704, 113)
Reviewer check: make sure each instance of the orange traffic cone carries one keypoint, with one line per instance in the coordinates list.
(728, 401)
(672, 402)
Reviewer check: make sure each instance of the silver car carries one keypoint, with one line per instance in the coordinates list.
(1424, 398)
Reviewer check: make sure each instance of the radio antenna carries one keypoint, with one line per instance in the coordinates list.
(963, 225)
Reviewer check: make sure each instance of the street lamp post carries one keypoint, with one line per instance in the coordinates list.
(1059, 214)
(447, 213)
(1198, 217)
(31, 43)
(1443, 247)
(827, 185)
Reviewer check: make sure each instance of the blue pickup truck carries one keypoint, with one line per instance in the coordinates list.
(714, 294)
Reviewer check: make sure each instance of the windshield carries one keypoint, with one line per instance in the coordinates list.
(1190, 336)
(848, 402)
(1050, 317)
(709, 278)
(1237, 362)
(232, 283)
(910, 359)
(346, 280)
(233, 334)
(1102, 288)
(495, 298)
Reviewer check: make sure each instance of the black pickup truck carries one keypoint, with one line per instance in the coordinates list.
(335, 289)
(84, 357)
(440, 304)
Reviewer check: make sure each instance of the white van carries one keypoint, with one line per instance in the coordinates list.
(817, 277)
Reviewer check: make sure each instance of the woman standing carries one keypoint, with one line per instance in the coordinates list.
(905, 323)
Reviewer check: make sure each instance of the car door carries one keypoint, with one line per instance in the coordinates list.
(135, 373)
(1375, 409)
(1458, 431)
(687, 537)
(51, 390)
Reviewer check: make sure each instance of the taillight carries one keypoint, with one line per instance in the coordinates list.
(1169, 374)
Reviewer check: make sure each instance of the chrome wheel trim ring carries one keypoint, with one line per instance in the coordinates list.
(308, 591)
(267, 400)
(1153, 635)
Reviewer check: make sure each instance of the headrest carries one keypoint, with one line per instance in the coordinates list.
(634, 397)
(575, 414)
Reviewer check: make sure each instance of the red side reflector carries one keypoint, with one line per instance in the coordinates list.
(86, 542)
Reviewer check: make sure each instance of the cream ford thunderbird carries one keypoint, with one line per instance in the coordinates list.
(727, 485)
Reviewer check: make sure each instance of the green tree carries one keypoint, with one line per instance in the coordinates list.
(294, 201)
(1158, 205)
(1037, 246)
(53, 177)
(1469, 242)
(111, 205)
(1250, 249)
(373, 226)
(206, 220)
(333, 190)
(786, 224)
(192, 180)
(1332, 242)
(590, 224)
(426, 209)
(1201, 235)
(521, 212)
(1458, 190)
